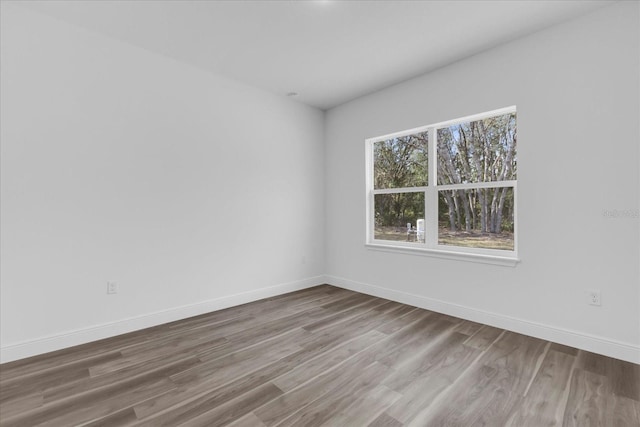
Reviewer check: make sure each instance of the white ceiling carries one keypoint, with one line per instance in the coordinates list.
(327, 51)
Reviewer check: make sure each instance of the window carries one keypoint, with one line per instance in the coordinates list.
(447, 189)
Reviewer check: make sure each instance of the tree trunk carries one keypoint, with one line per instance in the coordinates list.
(483, 210)
(503, 197)
(456, 203)
(471, 202)
(465, 205)
(452, 217)
(494, 210)
(480, 166)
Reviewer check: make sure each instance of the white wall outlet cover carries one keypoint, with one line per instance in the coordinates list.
(112, 287)
(593, 297)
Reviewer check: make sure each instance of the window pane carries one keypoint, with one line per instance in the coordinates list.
(478, 218)
(479, 151)
(395, 213)
(401, 162)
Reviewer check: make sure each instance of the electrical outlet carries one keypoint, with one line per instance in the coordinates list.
(112, 287)
(594, 297)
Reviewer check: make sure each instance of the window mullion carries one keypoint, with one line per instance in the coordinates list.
(431, 194)
(465, 204)
(475, 185)
(369, 222)
(399, 190)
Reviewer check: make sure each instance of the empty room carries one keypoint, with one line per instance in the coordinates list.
(320, 213)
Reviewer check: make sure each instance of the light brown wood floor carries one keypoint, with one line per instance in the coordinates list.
(321, 356)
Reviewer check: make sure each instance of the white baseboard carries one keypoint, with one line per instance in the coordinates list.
(600, 345)
(46, 344)
(595, 344)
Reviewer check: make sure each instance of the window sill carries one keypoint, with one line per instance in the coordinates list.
(437, 253)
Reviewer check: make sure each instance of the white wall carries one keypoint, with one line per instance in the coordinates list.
(119, 164)
(576, 87)
(195, 192)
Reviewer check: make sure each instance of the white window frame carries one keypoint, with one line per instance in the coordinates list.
(431, 247)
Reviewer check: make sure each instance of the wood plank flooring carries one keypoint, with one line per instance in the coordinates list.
(320, 357)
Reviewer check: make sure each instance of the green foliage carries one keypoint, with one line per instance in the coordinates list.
(452, 212)
(479, 151)
(471, 152)
(396, 210)
(401, 162)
